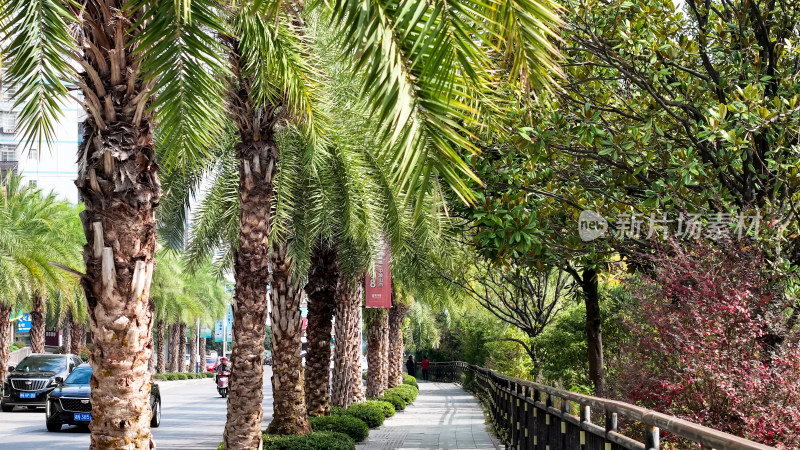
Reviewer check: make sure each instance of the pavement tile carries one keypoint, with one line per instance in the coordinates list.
(444, 417)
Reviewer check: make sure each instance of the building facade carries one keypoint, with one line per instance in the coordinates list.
(52, 167)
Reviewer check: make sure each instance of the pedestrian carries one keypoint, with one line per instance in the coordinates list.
(411, 365)
(425, 366)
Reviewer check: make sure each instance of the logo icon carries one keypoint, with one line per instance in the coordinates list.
(85, 402)
(591, 225)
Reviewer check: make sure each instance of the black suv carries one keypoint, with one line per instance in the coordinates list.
(29, 382)
(69, 402)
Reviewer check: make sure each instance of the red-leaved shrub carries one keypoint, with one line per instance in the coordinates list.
(712, 340)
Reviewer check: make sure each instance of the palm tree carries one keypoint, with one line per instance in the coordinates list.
(34, 234)
(125, 52)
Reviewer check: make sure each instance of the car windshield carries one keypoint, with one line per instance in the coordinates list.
(211, 361)
(80, 375)
(37, 363)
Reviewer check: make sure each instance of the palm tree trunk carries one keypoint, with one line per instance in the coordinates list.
(347, 386)
(160, 363)
(182, 348)
(37, 323)
(5, 340)
(193, 351)
(258, 156)
(289, 415)
(67, 330)
(202, 353)
(174, 341)
(118, 183)
(323, 277)
(396, 317)
(377, 321)
(78, 335)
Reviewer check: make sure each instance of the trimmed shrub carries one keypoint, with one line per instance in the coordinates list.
(407, 392)
(337, 411)
(182, 376)
(347, 424)
(408, 379)
(396, 401)
(313, 441)
(210, 374)
(388, 407)
(371, 414)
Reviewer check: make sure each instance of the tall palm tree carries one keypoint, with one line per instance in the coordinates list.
(136, 62)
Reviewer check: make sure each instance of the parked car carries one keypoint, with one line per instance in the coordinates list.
(267, 358)
(33, 378)
(69, 404)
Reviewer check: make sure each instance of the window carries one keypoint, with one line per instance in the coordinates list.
(8, 152)
(9, 122)
(9, 93)
(33, 153)
(33, 183)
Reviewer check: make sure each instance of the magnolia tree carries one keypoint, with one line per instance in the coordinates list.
(711, 341)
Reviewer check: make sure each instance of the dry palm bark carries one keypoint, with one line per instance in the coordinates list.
(118, 184)
(78, 335)
(193, 351)
(182, 347)
(347, 386)
(202, 353)
(377, 321)
(37, 323)
(161, 366)
(257, 152)
(396, 317)
(174, 341)
(5, 340)
(66, 327)
(289, 414)
(323, 277)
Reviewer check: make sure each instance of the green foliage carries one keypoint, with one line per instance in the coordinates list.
(405, 391)
(312, 441)
(396, 401)
(370, 413)
(346, 424)
(408, 379)
(388, 407)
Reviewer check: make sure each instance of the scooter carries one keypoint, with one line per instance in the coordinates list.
(222, 383)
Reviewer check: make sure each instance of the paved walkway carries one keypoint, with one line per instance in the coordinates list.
(443, 417)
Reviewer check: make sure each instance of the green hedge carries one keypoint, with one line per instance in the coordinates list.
(347, 424)
(406, 391)
(170, 376)
(396, 401)
(371, 414)
(388, 407)
(313, 441)
(408, 379)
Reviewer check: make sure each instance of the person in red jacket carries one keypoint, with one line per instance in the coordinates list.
(425, 364)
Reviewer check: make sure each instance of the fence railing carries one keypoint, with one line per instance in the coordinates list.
(532, 416)
(18, 355)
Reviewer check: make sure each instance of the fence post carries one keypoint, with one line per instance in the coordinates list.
(586, 417)
(651, 438)
(564, 412)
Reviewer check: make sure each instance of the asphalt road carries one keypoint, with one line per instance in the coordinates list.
(193, 417)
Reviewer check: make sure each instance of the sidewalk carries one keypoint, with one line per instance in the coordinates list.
(443, 417)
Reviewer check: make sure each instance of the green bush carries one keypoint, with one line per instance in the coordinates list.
(182, 376)
(313, 441)
(210, 374)
(388, 407)
(406, 391)
(337, 411)
(408, 379)
(347, 424)
(396, 401)
(371, 414)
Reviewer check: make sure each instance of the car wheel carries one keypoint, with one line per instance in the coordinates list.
(155, 421)
(53, 426)
(6, 408)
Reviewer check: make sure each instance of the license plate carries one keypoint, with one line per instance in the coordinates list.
(27, 395)
(83, 417)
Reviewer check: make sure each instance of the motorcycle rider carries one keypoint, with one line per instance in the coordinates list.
(223, 366)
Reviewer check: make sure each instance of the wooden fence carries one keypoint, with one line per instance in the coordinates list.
(532, 416)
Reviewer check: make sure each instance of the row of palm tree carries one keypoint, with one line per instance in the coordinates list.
(166, 73)
(35, 230)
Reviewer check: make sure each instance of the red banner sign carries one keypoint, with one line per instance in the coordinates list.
(378, 289)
